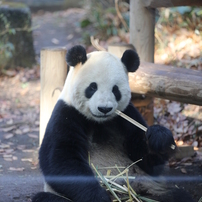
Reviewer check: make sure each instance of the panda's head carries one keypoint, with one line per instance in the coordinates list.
(97, 83)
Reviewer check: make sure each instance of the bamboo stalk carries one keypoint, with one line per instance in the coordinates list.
(131, 120)
(105, 182)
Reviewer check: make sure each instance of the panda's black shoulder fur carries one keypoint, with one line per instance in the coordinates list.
(65, 119)
(63, 157)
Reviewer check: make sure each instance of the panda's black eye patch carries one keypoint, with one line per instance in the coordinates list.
(90, 90)
(116, 92)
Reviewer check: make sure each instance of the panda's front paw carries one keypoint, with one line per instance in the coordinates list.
(160, 140)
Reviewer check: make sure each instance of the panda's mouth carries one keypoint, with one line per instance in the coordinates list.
(101, 116)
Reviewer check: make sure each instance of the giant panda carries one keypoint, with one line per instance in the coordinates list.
(84, 123)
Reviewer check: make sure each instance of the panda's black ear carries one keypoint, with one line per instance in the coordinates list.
(131, 60)
(76, 55)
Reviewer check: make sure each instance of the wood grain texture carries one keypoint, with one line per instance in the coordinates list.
(142, 21)
(167, 82)
(171, 3)
(53, 75)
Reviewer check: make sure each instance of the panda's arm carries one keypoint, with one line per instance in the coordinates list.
(64, 157)
(135, 139)
(136, 143)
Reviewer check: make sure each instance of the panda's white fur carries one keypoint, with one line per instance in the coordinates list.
(112, 72)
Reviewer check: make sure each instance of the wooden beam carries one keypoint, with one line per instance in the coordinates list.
(171, 3)
(167, 82)
(53, 75)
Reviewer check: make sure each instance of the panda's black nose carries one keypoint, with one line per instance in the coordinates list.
(104, 110)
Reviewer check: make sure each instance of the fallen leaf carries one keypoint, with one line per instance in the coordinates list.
(10, 143)
(37, 123)
(33, 168)
(8, 129)
(174, 107)
(187, 164)
(28, 150)
(55, 41)
(16, 169)
(15, 158)
(9, 121)
(7, 155)
(180, 129)
(4, 146)
(21, 147)
(8, 136)
(18, 132)
(35, 130)
(183, 170)
(8, 159)
(25, 130)
(27, 159)
(10, 73)
(8, 151)
(195, 144)
(33, 136)
(186, 159)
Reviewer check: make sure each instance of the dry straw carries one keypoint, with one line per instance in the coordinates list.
(120, 192)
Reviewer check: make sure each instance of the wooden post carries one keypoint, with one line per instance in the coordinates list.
(53, 75)
(142, 21)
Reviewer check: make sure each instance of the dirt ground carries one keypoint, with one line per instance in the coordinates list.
(20, 176)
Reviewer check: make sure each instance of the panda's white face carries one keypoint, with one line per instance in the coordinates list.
(98, 87)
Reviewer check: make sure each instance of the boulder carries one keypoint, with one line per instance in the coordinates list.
(16, 45)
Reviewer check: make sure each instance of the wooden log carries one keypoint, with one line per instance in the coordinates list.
(142, 21)
(167, 82)
(53, 75)
(171, 3)
(185, 151)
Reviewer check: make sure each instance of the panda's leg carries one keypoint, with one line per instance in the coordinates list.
(176, 195)
(48, 197)
(154, 147)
